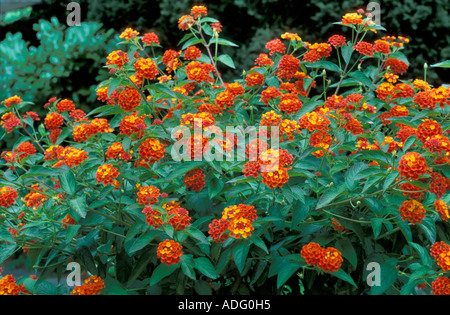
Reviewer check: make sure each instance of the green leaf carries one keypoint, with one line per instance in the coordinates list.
(329, 195)
(348, 251)
(388, 275)
(347, 51)
(341, 274)
(327, 65)
(222, 41)
(408, 143)
(240, 253)
(377, 223)
(140, 265)
(161, 272)
(442, 64)
(361, 77)
(215, 187)
(226, 59)
(205, 266)
(187, 265)
(84, 254)
(288, 268)
(351, 180)
(423, 253)
(140, 242)
(6, 250)
(113, 85)
(389, 180)
(79, 205)
(68, 182)
(46, 288)
(191, 42)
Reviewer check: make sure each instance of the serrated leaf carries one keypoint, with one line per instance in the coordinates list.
(79, 205)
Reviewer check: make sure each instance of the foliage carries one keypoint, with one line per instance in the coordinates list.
(56, 64)
(360, 175)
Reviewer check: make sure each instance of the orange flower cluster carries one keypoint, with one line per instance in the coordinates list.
(133, 124)
(185, 22)
(412, 211)
(364, 48)
(317, 51)
(145, 68)
(34, 198)
(88, 129)
(116, 151)
(320, 139)
(129, 99)
(263, 60)
(441, 252)
(151, 151)
(107, 174)
(440, 286)
(169, 252)
(200, 72)
(290, 103)
(117, 58)
(11, 101)
(427, 129)
(53, 121)
(69, 156)
(412, 165)
(254, 79)
(150, 38)
(275, 46)
(129, 33)
(200, 120)
(25, 149)
(9, 121)
(442, 209)
(236, 221)
(395, 66)
(174, 215)
(270, 93)
(328, 259)
(288, 67)
(8, 196)
(8, 286)
(194, 180)
(192, 53)
(91, 286)
(352, 18)
(65, 105)
(316, 120)
(147, 195)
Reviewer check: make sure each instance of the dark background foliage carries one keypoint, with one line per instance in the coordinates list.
(250, 24)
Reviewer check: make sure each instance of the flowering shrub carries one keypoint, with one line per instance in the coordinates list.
(281, 181)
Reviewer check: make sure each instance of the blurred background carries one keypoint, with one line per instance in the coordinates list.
(41, 57)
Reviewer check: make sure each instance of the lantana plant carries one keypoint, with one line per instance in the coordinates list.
(319, 161)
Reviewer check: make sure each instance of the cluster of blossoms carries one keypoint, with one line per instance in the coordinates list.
(328, 259)
(169, 252)
(236, 221)
(91, 286)
(171, 213)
